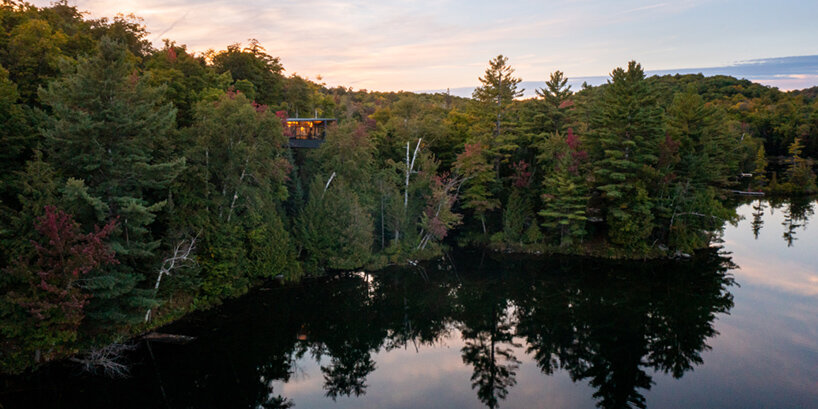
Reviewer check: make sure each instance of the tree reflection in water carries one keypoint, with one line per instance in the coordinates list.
(608, 324)
(796, 214)
(758, 217)
(487, 330)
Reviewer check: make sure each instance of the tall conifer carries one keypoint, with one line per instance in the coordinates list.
(105, 127)
(625, 132)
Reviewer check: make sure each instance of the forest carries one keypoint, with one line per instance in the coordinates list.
(139, 184)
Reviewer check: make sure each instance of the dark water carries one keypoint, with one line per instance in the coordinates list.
(483, 330)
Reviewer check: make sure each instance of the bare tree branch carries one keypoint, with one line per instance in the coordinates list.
(107, 360)
(181, 255)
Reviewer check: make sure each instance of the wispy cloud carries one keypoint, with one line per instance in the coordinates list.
(165, 31)
(392, 45)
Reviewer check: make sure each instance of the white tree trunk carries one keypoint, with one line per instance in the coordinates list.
(409, 168)
(181, 254)
(332, 176)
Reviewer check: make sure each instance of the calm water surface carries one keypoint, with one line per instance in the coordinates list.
(735, 327)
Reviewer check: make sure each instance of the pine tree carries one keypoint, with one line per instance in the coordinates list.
(556, 101)
(697, 157)
(625, 132)
(472, 165)
(518, 213)
(565, 203)
(799, 173)
(498, 90)
(565, 191)
(105, 127)
(760, 171)
(542, 118)
(494, 99)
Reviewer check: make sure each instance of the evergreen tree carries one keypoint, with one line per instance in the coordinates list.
(623, 141)
(472, 165)
(565, 190)
(494, 99)
(760, 170)
(799, 173)
(36, 188)
(105, 125)
(758, 217)
(16, 136)
(556, 101)
(519, 218)
(498, 90)
(697, 158)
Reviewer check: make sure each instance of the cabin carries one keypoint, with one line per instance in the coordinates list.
(307, 132)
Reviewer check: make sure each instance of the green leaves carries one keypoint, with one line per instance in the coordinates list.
(334, 229)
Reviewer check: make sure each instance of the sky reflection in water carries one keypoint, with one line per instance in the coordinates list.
(502, 332)
(767, 352)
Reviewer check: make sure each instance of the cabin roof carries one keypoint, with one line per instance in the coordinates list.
(310, 119)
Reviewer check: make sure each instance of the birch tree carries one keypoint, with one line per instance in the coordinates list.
(231, 193)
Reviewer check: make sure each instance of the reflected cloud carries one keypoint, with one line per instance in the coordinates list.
(765, 258)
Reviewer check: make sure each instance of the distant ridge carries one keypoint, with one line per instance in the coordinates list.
(786, 73)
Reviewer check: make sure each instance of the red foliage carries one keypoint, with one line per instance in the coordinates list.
(472, 149)
(668, 156)
(522, 177)
(571, 139)
(577, 156)
(440, 198)
(171, 55)
(282, 169)
(232, 92)
(282, 116)
(573, 142)
(566, 104)
(370, 123)
(668, 150)
(360, 137)
(60, 259)
(436, 226)
(133, 78)
(260, 108)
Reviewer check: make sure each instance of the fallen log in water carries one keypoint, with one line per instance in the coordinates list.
(167, 338)
(744, 193)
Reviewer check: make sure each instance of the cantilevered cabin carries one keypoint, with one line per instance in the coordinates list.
(307, 132)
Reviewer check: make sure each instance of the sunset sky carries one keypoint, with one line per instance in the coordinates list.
(428, 45)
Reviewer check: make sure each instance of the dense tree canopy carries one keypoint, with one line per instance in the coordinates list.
(140, 163)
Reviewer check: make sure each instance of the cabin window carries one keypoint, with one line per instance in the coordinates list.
(298, 128)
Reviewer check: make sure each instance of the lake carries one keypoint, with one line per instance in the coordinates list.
(732, 327)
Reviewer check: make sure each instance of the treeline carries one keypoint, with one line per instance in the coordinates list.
(140, 183)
